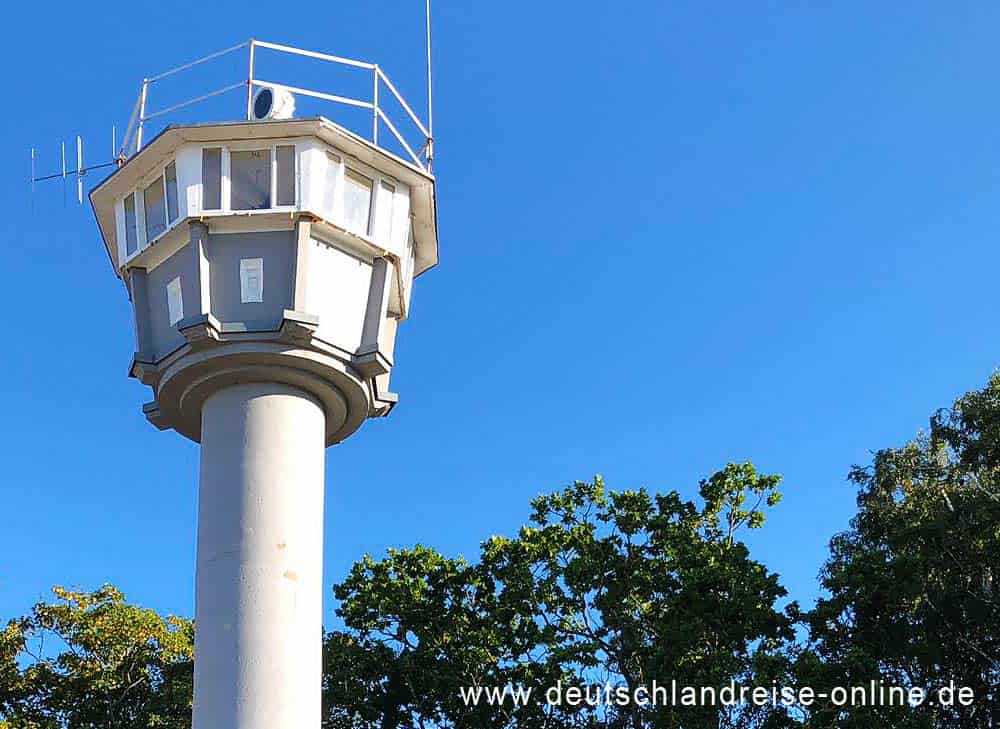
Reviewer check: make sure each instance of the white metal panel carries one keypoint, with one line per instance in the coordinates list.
(408, 259)
(175, 301)
(311, 169)
(385, 193)
(251, 280)
(337, 292)
(400, 220)
(189, 180)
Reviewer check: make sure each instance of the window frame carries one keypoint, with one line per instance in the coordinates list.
(270, 169)
(376, 182)
(166, 194)
(139, 193)
(342, 163)
(335, 159)
(222, 178)
(166, 213)
(123, 234)
(250, 145)
(295, 176)
(379, 179)
(378, 202)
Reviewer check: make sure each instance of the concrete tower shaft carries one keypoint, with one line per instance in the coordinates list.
(260, 571)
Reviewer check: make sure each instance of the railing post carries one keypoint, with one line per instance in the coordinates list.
(142, 114)
(375, 106)
(250, 85)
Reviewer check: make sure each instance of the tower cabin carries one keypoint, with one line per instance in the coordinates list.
(283, 248)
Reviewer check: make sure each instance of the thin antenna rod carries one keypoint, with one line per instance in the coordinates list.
(79, 169)
(430, 103)
(32, 179)
(63, 145)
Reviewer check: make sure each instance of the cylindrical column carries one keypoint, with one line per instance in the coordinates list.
(258, 612)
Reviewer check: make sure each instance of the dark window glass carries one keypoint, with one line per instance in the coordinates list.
(131, 239)
(156, 209)
(285, 192)
(211, 178)
(171, 177)
(250, 179)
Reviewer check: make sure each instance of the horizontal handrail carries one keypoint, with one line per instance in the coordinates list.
(314, 94)
(314, 54)
(209, 57)
(134, 131)
(189, 102)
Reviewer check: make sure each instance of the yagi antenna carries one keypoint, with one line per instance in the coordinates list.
(81, 169)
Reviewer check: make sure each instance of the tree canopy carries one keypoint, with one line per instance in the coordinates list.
(913, 587)
(601, 587)
(91, 660)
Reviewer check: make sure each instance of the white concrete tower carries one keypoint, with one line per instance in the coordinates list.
(269, 264)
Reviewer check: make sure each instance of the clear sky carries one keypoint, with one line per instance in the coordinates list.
(672, 235)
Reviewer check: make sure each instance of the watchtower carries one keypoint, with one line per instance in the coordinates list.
(269, 262)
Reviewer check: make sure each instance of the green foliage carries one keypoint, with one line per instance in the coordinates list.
(621, 587)
(914, 585)
(89, 659)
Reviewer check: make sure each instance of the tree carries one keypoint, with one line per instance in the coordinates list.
(914, 584)
(622, 588)
(90, 660)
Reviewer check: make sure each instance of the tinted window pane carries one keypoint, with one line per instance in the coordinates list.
(171, 177)
(357, 201)
(131, 239)
(383, 212)
(155, 208)
(211, 178)
(330, 184)
(250, 175)
(285, 192)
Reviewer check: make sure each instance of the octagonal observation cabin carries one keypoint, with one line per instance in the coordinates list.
(269, 249)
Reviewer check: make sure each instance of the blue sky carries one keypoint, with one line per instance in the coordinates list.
(672, 235)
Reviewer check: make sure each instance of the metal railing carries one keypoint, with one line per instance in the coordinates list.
(423, 157)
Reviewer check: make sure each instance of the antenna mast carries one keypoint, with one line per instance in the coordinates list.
(430, 103)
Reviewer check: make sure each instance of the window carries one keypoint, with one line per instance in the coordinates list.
(131, 237)
(330, 183)
(383, 211)
(175, 301)
(211, 178)
(250, 179)
(156, 209)
(357, 202)
(251, 280)
(170, 176)
(285, 162)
